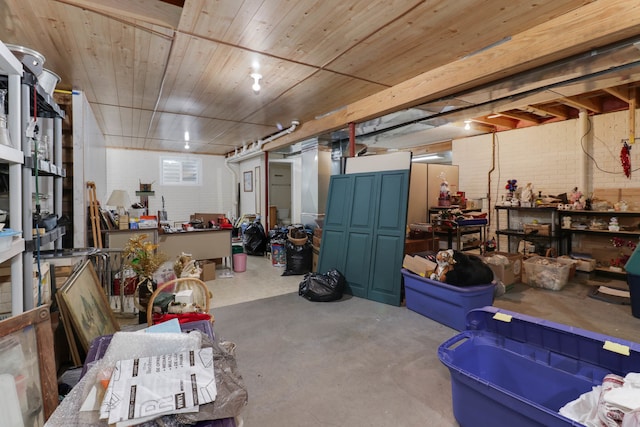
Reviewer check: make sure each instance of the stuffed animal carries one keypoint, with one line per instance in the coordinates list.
(445, 262)
(470, 270)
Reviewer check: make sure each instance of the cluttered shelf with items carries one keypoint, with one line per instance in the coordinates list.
(454, 222)
(550, 238)
(468, 227)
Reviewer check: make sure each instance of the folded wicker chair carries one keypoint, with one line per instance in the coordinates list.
(201, 296)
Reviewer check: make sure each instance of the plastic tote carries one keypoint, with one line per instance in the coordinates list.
(239, 262)
(442, 302)
(510, 369)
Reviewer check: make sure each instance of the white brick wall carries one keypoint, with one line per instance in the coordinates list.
(549, 156)
(127, 168)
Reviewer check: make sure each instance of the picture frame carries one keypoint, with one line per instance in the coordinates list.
(248, 181)
(87, 307)
(28, 381)
(73, 341)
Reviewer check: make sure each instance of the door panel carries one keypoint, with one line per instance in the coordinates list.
(364, 202)
(340, 189)
(364, 229)
(332, 251)
(385, 283)
(358, 261)
(392, 203)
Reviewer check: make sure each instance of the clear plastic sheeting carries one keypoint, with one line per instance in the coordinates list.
(231, 397)
(615, 403)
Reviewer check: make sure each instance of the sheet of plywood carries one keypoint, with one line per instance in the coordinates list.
(631, 196)
(611, 195)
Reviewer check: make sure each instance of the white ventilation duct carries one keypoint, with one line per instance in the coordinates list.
(255, 148)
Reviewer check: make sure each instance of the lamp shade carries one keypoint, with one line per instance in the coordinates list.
(119, 198)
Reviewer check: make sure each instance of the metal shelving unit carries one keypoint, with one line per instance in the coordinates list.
(626, 232)
(11, 72)
(514, 233)
(20, 80)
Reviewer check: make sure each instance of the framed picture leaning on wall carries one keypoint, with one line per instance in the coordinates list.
(86, 305)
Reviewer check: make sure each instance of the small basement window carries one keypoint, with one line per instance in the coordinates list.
(180, 171)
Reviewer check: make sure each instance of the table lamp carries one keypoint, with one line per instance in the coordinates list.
(120, 199)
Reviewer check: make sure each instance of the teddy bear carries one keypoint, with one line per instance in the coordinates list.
(445, 262)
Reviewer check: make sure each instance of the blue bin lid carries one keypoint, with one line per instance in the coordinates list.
(615, 354)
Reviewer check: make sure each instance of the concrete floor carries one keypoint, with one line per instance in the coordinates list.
(361, 363)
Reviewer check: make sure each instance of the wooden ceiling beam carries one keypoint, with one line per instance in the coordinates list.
(559, 111)
(501, 121)
(582, 102)
(540, 111)
(162, 13)
(598, 23)
(523, 116)
(483, 127)
(437, 147)
(620, 92)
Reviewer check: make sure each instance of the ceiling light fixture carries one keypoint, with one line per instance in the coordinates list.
(426, 157)
(467, 124)
(256, 82)
(186, 139)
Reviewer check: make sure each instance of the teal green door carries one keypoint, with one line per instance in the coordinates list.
(364, 230)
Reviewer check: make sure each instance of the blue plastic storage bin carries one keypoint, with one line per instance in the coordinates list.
(515, 370)
(444, 303)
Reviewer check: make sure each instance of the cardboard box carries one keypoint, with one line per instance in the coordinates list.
(418, 265)
(123, 222)
(208, 270)
(62, 273)
(316, 241)
(510, 272)
(45, 287)
(411, 246)
(586, 265)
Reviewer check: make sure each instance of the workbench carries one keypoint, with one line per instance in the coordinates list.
(200, 244)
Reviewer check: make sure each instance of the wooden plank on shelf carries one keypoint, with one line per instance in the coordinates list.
(631, 196)
(611, 195)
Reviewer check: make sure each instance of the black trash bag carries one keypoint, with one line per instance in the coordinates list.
(255, 240)
(299, 258)
(278, 235)
(323, 287)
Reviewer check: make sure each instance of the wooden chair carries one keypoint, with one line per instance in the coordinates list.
(202, 294)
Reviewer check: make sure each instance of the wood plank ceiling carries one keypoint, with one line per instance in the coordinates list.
(153, 69)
